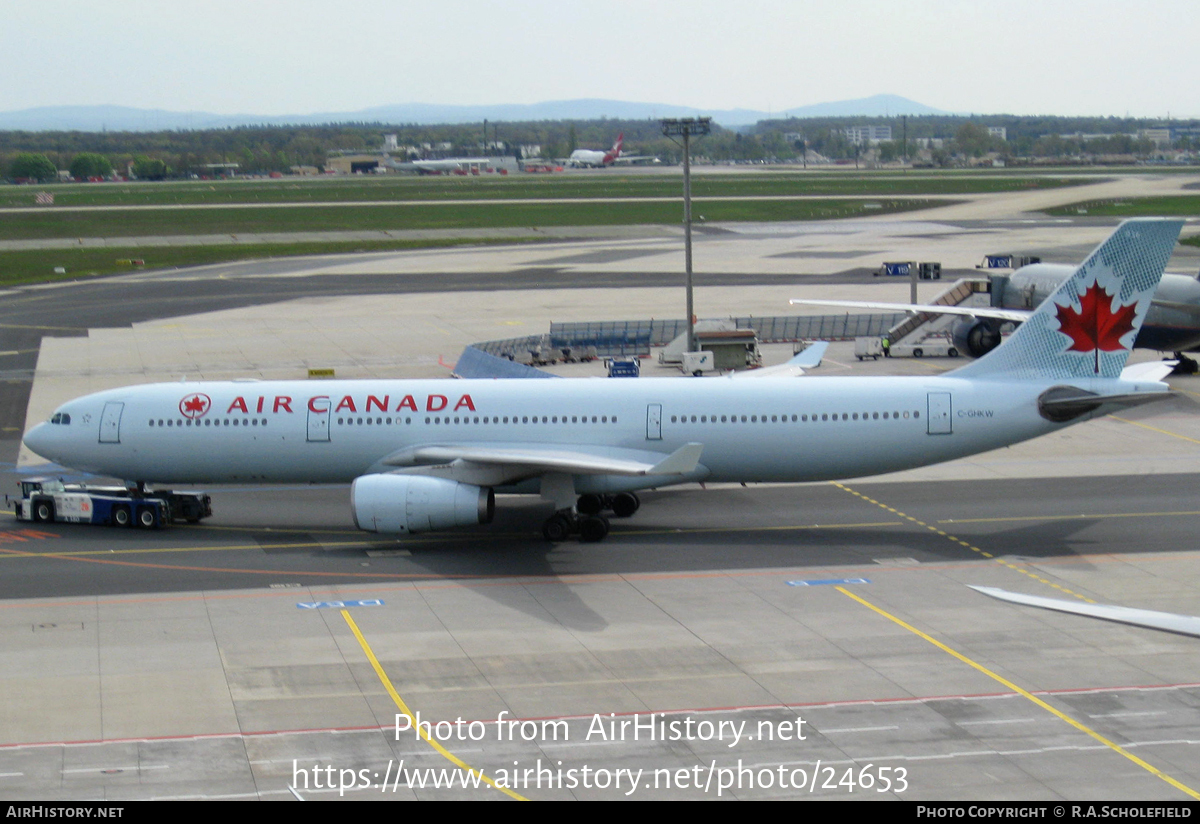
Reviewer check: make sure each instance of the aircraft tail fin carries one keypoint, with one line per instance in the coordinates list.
(1086, 328)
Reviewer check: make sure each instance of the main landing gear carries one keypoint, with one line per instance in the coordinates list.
(585, 518)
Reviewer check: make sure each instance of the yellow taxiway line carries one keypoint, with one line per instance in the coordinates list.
(399, 702)
(1025, 694)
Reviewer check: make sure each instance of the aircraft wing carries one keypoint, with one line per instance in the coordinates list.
(1169, 621)
(1015, 315)
(496, 464)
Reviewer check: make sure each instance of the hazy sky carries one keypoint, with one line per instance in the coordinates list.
(1097, 57)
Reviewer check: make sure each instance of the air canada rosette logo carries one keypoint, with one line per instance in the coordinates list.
(195, 405)
(1095, 325)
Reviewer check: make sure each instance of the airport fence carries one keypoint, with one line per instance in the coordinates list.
(790, 328)
(634, 338)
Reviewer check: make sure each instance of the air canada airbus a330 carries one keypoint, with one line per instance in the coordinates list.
(427, 455)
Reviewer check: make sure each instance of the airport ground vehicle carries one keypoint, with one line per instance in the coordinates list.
(930, 347)
(49, 499)
(868, 348)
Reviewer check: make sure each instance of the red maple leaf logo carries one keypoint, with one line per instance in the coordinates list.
(1096, 325)
(194, 406)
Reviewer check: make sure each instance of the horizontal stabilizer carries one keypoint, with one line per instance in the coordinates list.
(1168, 621)
(1148, 370)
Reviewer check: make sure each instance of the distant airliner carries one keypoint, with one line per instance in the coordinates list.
(440, 165)
(596, 159)
(429, 454)
(590, 158)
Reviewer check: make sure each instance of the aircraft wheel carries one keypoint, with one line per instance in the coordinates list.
(593, 529)
(557, 528)
(146, 518)
(625, 504)
(918, 352)
(1186, 365)
(43, 511)
(121, 516)
(589, 504)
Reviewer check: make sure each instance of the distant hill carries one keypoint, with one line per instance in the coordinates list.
(879, 105)
(125, 119)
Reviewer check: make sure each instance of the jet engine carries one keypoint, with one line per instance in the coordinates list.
(407, 504)
(976, 336)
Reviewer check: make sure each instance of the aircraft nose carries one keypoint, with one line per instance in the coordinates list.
(39, 439)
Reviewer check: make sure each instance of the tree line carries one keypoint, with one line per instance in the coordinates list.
(268, 149)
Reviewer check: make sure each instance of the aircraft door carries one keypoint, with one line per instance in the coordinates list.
(318, 420)
(110, 422)
(940, 422)
(654, 422)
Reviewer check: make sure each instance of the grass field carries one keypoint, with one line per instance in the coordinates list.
(399, 203)
(601, 184)
(38, 265)
(256, 220)
(1166, 206)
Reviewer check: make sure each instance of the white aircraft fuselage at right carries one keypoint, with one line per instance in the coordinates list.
(428, 454)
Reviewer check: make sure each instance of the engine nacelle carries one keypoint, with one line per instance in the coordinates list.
(976, 337)
(408, 504)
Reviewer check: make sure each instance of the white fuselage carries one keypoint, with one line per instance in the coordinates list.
(785, 429)
(590, 157)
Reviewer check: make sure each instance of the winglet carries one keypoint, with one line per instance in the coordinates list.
(683, 460)
(811, 357)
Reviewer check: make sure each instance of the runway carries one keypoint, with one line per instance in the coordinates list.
(791, 641)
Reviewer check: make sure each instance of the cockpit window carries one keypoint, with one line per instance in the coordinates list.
(60, 418)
